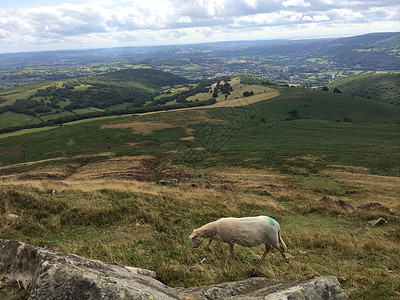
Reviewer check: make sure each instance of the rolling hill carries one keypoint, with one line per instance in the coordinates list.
(130, 189)
(391, 42)
(83, 97)
(381, 87)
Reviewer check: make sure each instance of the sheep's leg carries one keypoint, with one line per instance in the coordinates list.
(208, 247)
(231, 250)
(267, 248)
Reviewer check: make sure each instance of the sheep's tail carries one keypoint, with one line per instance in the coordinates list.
(281, 242)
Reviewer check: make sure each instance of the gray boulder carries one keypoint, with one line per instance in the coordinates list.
(55, 275)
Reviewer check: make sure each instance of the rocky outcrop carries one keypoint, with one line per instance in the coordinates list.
(55, 275)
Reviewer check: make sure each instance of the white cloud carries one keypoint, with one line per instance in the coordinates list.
(110, 22)
(347, 14)
(319, 18)
(299, 3)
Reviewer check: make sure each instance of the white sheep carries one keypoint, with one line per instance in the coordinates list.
(248, 232)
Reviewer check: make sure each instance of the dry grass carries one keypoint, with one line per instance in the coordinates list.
(140, 223)
(25, 164)
(149, 122)
(369, 188)
(268, 94)
(236, 97)
(145, 128)
(188, 138)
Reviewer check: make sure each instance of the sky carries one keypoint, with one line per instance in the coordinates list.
(29, 25)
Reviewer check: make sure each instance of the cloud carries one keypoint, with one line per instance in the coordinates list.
(109, 22)
(300, 3)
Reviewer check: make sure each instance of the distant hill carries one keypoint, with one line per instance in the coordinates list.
(364, 51)
(133, 87)
(148, 78)
(365, 39)
(381, 87)
(118, 92)
(393, 42)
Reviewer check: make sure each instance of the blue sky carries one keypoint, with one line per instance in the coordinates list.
(57, 24)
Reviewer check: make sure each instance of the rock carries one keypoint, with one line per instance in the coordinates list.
(43, 270)
(239, 289)
(144, 272)
(325, 287)
(378, 222)
(391, 212)
(55, 275)
(12, 216)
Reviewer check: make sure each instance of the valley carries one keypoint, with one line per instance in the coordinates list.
(304, 63)
(121, 166)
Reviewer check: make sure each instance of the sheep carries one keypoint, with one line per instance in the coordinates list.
(248, 232)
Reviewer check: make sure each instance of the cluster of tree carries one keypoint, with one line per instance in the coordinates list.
(21, 107)
(182, 96)
(65, 119)
(98, 95)
(326, 89)
(225, 88)
(248, 94)
(150, 78)
(133, 86)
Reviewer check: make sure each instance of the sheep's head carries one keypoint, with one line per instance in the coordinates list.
(196, 239)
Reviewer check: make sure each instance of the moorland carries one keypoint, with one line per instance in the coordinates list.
(322, 163)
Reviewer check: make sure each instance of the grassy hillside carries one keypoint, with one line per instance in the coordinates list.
(148, 78)
(52, 100)
(277, 157)
(392, 42)
(285, 126)
(382, 87)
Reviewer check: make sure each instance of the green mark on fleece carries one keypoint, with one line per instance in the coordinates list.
(271, 221)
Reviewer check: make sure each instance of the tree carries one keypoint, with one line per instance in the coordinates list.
(248, 94)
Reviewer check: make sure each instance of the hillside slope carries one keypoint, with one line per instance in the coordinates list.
(148, 78)
(392, 42)
(126, 89)
(382, 87)
(129, 189)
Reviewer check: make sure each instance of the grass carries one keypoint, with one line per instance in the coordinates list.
(145, 225)
(382, 87)
(25, 88)
(231, 161)
(16, 119)
(263, 134)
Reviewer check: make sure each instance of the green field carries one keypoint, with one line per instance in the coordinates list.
(270, 129)
(15, 119)
(383, 87)
(276, 157)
